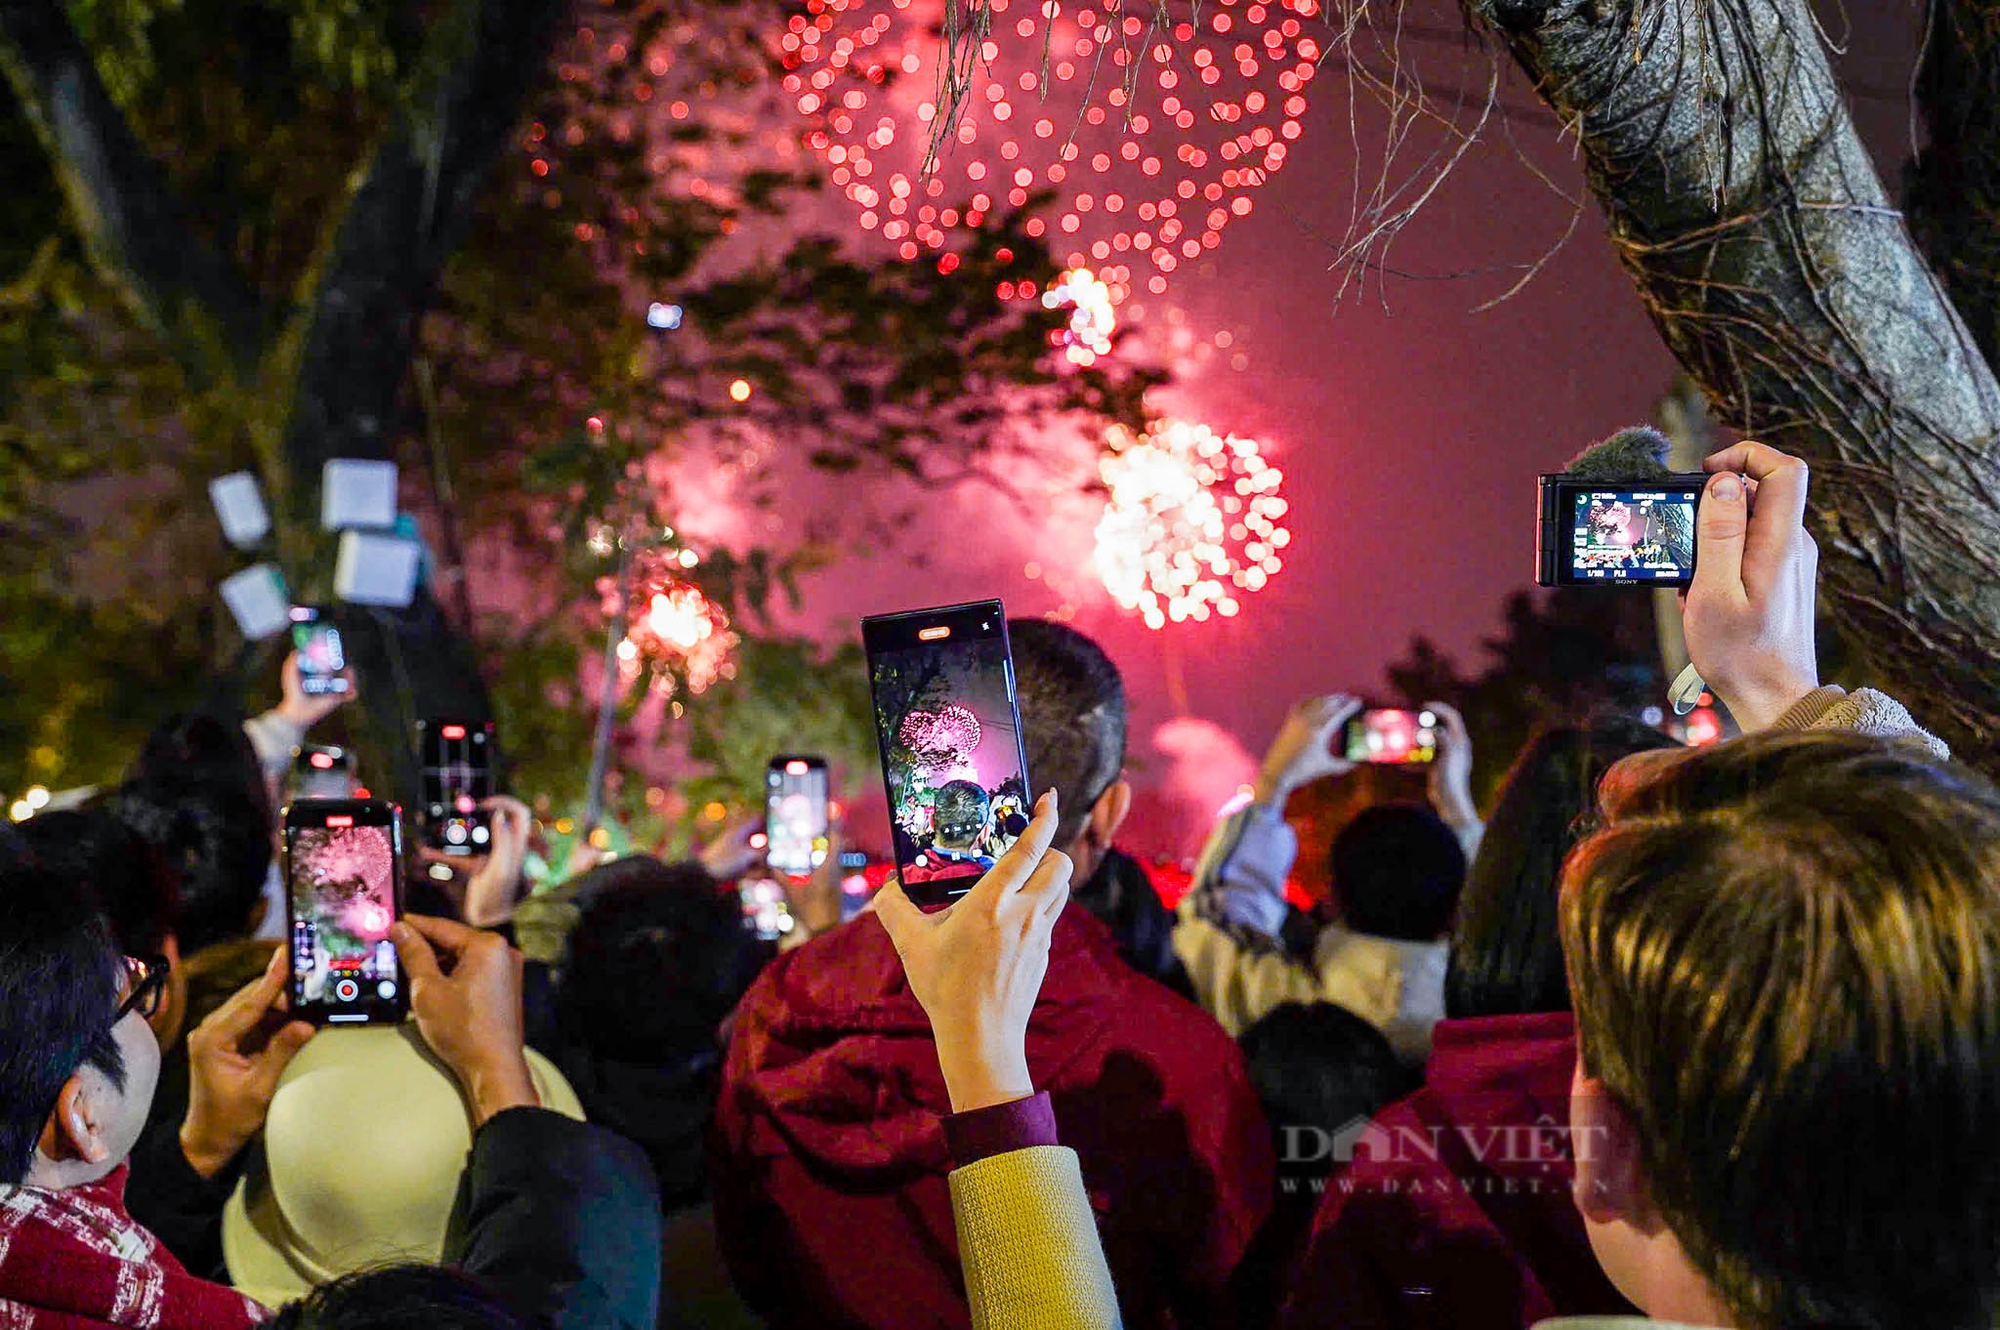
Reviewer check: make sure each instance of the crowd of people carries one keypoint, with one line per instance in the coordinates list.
(1710, 1036)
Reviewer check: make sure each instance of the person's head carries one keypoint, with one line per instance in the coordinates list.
(398, 1297)
(363, 1150)
(1397, 871)
(131, 886)
(961, 813)
(657, 960)
(1506, 957)
(1073, 724)
(1320, 1066)
(215, 843)
(200, 749)
(1785, 959)
(77, 1069)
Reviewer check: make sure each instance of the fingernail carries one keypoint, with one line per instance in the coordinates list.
(1728, 487)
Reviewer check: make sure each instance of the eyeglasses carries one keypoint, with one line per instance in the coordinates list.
(145, 984)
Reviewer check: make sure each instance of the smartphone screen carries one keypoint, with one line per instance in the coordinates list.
(1391, 735)
(455, 760)
(766, 912)
(1630, 535)
(950, 734)
(321, 657)
(795, 814)
(343, 874)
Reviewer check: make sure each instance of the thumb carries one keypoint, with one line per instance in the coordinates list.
(1720, 527)
(896, 912)
(414, 952)
(288, 1041)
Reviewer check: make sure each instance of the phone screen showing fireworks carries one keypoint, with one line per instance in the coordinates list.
(795, 814)
(343, 868)
(1391, 736)
(1631, 535)
(950, 734)
(456, 762)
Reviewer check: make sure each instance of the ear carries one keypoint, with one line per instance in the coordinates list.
(1107, 815)
(72, 1131)
(1611, 1185)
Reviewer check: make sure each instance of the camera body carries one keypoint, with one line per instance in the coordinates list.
(1617, 532)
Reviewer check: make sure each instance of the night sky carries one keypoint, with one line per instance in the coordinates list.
(1410, 427)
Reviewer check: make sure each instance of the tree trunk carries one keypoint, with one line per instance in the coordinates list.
(1952, 189)
(1757, 231)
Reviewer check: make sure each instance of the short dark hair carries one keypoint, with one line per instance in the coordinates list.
(59, 980)
(1319, 1065)
(1506, 952)
(217, 845)
(200, 750)
(1397, 871)
(1072, 716)
(398, 1297)
(1785, 955)
(658, 958)
(123, 873)
(962, 808)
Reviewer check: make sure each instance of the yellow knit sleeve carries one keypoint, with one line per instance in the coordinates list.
(1029, 1245)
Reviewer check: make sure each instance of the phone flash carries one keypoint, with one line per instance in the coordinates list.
(340, 819)
(796, 768)
(933, 634)
(452, 731)
(324, 761)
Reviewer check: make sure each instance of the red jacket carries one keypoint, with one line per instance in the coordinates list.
(830, 1160)
(1456, 1210)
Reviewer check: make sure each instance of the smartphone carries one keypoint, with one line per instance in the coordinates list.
(455, 765)
(766, 912)
(949, 729)
(1615, 533)
(795, 814)
(855, 892)
(322, 771)
(343, 883)
(321, 658)
(1391, 735)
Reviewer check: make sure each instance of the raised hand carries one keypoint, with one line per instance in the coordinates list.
(235, 1058)
(1303, 750)
(491, 892)
(1451, 771)
(304, 709)
(465, 992)
(977, 965)
(1748, 616)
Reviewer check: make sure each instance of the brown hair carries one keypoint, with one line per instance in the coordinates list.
(1785, 958)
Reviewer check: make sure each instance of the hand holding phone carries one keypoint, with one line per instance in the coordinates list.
(317, 654)
(1392, 736)
(455, 764)
(1303, 751)
(235, 1058)
(949, 729)
(343, 879)
(465, 988)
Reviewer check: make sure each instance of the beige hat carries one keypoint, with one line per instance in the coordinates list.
(367, 1137)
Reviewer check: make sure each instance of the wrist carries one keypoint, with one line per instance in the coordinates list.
(980, 1078)
(496, 1085)
(207, 1152)
(1757, 706)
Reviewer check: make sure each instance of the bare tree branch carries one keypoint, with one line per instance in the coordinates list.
(1740, 199)
(135, 230)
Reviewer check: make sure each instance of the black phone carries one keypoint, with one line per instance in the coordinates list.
(321, 657)
(795, 814)
(1390, 735)
(344, 885)
(1617, 532)
(949, 729)
(322, 771)
(455, 764)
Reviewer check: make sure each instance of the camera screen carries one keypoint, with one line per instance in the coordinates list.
(795, 816)
(1392, 736)
(1631, 536)
(343, 899)
(321, 657)
(457, 775)
(951, 748)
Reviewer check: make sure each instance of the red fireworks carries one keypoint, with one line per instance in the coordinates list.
(1226, 84)
(942, 738)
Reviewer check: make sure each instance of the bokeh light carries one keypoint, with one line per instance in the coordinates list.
(1191, 521)
(673, 629)
(1092, 318)
(1152, 133)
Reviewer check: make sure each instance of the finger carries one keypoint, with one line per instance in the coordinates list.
(1454, 723)
(413, 949)
(1758, 461)
(448, 934)
(1016, 866)
(1051, 878)
(1346, 707)
(897, 914)
(285, 1044)
(247, 1005)
(1721, 525)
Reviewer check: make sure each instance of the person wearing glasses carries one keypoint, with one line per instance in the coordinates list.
(556, 1209)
